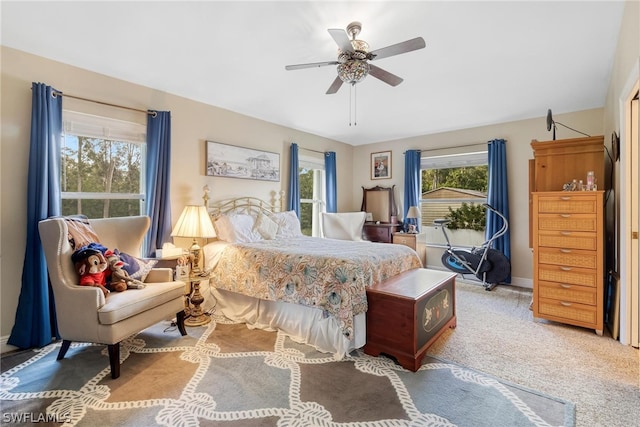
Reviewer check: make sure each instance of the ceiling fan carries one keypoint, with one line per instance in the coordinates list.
(354, 56)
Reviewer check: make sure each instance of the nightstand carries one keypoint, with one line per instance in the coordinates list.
(415, 241)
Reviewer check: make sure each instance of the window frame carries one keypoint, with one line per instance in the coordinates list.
(77, 124)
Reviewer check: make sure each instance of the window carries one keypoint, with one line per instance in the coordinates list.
(312, 195)
(454, 182)
(102, 166)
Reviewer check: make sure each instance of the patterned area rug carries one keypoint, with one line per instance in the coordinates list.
(227, 375)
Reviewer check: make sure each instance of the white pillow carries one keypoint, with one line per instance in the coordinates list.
(267, 227)
(236, 228)
(288, 224)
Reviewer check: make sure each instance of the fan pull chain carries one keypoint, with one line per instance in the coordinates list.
(353, 91)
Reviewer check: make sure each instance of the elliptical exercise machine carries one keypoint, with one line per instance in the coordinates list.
(486, 263)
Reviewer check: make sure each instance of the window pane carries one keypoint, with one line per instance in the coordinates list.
(103, 166)
(455, 193)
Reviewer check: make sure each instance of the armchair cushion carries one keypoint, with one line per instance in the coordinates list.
(122, 305)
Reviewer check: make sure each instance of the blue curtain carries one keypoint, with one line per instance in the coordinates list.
(411, 184)
(498, 196)
(331, 181)
(35, 323)
(158, 178)
(293, 203)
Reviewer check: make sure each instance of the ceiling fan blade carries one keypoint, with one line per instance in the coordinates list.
(310, 65)
(398, 48)
(342, 39)
(337, 83)
(385, 76)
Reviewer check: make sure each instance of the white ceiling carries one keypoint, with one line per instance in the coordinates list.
(484, 63)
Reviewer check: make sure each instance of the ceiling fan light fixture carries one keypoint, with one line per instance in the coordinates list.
(353, 71)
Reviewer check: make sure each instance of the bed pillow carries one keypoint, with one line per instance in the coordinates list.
(267, 227)
(236, 228)
(288, 224)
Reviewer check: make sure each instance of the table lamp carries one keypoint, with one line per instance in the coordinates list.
(195, 222)
(413, 213)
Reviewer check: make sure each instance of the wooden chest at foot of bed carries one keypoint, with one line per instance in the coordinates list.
(408, 312)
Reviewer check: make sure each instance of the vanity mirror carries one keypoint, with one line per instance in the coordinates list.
(380, 203)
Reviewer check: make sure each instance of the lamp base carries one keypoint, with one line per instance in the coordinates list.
(200, 320)
(197, 316)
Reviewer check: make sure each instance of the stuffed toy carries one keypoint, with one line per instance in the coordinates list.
(119, 275)
(92, 267)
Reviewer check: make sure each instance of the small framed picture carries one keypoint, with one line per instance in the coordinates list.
(381, 165)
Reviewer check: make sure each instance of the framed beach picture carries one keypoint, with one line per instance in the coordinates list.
(238, 162)
(381, 165)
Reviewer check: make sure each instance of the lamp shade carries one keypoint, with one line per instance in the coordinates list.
(413, 212)
(194, 222)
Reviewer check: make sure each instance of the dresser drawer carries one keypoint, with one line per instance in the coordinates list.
(567, 203)
(568, 257)
(568, 275)
(568, 222)
(568, 310)
(568, 239)
(567, 293)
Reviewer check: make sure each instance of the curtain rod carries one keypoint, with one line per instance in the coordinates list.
(58, 93)
(455, 146)
(309, 149)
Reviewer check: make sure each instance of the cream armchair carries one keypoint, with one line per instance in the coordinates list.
(343, 225)
(84, 313)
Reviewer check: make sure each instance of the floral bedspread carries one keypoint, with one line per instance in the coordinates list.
(329, 274)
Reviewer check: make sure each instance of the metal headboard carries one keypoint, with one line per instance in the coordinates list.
(249, 205)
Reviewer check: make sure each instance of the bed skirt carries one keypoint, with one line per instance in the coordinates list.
(302, 324)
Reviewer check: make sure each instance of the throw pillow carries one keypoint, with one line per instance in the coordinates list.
(137, 268)
(80, 232)
(289, 224)
(267, 227)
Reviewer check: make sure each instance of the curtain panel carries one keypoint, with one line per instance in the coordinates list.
(35, 322)
(293, 201)
(331, 181)
(498, 196)
(158, 180)
(411, 185)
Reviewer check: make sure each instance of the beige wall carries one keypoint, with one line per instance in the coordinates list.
(192, 124)
(518, 135)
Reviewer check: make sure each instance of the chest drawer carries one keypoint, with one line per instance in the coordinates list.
(568, 275)
(583, 203)
(568, 239)
(568, 222)
(567, 293)
(567, 310)
(568, 257)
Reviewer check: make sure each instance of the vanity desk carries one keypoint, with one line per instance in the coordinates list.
(382, 212)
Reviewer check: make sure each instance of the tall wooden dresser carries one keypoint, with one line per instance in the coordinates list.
(568, 257)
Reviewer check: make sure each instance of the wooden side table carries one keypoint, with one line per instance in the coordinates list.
(415, 241)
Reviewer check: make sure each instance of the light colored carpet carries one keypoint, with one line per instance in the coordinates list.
(228, 375)
(496, 334)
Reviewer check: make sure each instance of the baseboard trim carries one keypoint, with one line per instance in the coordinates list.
(4, 347)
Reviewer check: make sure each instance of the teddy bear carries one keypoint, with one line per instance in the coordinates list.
(92, 267)
(120, 275)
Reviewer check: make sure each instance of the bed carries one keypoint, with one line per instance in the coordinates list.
(265, 273)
